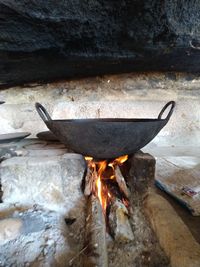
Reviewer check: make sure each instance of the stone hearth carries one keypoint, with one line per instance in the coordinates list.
(42, 195)
(44, 213)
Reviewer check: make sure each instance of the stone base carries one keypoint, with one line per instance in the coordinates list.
(174, 236)
(43, 177)
(42, 216)
(142, 171)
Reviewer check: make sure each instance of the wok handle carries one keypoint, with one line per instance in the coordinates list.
(172, 103)
(42, 112)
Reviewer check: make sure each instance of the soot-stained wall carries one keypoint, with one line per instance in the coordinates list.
(47, 40)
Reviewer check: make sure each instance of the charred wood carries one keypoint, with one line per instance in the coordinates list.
(121, 182)
(90, 178)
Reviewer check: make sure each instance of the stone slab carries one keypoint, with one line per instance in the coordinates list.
(174, 236)
(54, 182)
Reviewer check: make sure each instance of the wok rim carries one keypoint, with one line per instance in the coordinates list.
(109, 120)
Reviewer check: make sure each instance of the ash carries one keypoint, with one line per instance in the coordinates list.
(38, 238)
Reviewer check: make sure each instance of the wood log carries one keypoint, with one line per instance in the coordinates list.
(95, 254)
(90, 179)
(119, 222)
(121, 182)
(48, 40)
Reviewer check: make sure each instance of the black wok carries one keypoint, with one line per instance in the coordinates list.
(105, 138)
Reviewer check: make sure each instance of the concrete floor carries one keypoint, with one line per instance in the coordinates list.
(193, 222)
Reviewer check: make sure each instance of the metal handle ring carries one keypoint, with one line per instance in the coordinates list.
(172, 103)
(42, 112)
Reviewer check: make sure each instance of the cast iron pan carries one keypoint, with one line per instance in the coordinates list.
(105, 138)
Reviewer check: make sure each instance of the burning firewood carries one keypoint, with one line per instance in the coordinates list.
(121, 182)
(108, 192)
(95, 235)
(90, 179)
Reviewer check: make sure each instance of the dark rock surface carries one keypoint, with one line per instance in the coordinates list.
(47, 40)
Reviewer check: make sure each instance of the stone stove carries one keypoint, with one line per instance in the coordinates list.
(44, 211)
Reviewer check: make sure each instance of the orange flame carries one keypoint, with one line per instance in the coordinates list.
(99, 190)
(118, 161)
(121, 159)
(99, 167)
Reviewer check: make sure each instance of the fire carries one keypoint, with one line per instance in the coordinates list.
(99, 190)
(103, 174)
(88, 158)
(121, 159)
(101, 167)
(118, 161)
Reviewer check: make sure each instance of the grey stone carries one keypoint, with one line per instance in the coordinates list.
(142, 171)
(46, 153)
(39, 192)
(54, 182)
(6, 153)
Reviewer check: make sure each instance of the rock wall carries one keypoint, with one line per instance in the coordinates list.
(48, 40)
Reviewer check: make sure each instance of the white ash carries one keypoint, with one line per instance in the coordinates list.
(43, 239)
